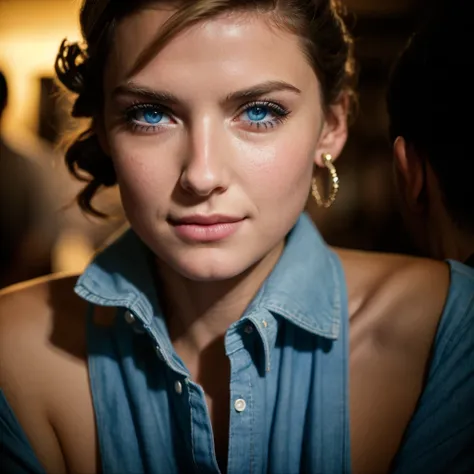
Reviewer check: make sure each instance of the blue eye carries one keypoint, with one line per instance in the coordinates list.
(152, 116)
(147, 117)
(257, 113)
(263, 114)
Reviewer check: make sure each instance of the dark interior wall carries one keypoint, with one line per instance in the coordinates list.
(366, 214)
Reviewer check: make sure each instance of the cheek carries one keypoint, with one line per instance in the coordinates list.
(141, 168)
(279, 168)
(144, 162)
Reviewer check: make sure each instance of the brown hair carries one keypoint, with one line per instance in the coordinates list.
(318, 23)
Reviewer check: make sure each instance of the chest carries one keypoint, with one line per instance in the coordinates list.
(150, 417)
(285, 414)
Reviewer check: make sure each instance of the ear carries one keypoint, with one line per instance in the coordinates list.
(333, 135)
(410, 174)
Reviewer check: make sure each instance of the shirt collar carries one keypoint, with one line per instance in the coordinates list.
(305, 287)
(121, 275)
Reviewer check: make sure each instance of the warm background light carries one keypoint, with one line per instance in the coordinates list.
(30, 34)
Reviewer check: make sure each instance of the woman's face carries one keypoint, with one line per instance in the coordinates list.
(214, 141)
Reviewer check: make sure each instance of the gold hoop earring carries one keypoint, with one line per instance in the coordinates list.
(327, 160)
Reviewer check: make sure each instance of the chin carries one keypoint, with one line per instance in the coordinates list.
(210, 265)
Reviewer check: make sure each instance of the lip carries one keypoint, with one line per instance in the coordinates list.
(206, 228)
(202, 219)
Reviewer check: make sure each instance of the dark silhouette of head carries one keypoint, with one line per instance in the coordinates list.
(430, 107)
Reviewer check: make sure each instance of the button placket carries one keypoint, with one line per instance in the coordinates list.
(266, 326)
(242, 414)
(240, 405)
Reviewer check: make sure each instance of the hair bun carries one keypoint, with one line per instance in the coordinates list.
(70, 66)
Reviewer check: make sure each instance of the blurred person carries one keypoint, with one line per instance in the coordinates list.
(213, 336)
(430, 107)
(26, 223)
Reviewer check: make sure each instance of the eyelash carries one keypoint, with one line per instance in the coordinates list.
(280, 114)
(131, 122)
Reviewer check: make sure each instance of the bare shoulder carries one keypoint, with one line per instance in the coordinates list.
(42, 350)
(395, 290)
(32, 314)
(395, 305)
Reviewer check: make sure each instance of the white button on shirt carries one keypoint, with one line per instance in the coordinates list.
(240, 405)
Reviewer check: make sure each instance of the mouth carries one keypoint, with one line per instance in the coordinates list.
(201, 219)
(206, 228)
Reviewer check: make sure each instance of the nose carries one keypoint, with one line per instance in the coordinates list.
(205, 171)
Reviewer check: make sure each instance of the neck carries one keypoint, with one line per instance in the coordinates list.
(198, 312)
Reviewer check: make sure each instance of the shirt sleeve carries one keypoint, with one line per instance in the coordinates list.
(440, 436)
(16, 454)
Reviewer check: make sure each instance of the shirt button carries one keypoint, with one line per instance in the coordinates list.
(264, 324)
(178, 387)
(129, 317)
(248, 329)
(159, 353)
(240, 405)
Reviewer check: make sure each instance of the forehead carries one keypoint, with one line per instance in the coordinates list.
(238, 44)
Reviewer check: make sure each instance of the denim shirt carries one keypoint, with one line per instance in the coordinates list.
(289, 352)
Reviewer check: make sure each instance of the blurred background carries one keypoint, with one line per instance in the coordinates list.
(42, 230)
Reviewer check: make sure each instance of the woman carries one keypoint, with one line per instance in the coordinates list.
(214, 336)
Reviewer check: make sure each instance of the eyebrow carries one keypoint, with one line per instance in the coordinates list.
(261, 89)
(145, 93)
(167, 98)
